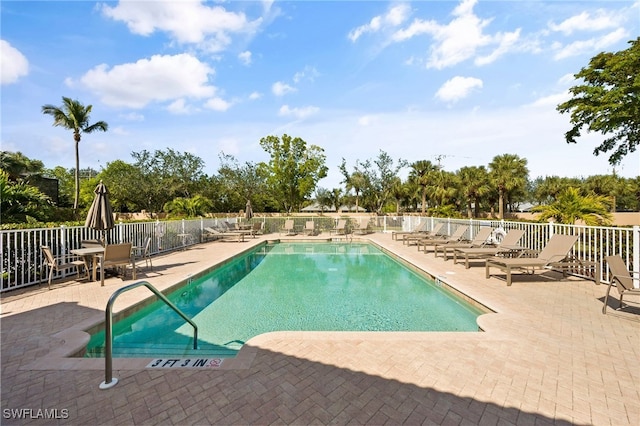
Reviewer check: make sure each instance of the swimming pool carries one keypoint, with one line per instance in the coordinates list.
(291, 287)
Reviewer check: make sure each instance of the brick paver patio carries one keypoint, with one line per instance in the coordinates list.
(547, 356)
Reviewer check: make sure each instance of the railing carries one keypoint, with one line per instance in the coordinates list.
(21, 255)
(109, 380)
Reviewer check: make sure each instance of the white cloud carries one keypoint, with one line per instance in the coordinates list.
(309, 73)
(119, 130)
(245, 57)
(217, 104)
(552, 100)
(280, 89)
(132, 116)
(186, 21)
(460, 39)
(458, 88)
(601, 20)
(298, 113)
(179, 107)
(160, 78)
(255, 95)
(591, 45)
(14, 63)
(394, 17)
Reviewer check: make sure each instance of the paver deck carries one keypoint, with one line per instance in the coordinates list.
(547, 356)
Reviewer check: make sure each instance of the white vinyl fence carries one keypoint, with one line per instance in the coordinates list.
(22, 260)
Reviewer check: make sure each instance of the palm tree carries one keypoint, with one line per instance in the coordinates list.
(357, 181)
(74, 116)
(18, 166)
(421, 174)
(474, 182)
(570, 207)
(508, 173)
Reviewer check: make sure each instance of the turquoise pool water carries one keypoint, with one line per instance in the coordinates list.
(294, 287)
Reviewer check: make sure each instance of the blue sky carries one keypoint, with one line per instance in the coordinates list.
(457, 82)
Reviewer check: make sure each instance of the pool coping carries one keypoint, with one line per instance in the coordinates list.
(73, 340)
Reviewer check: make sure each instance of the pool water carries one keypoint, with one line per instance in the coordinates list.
(291, 287)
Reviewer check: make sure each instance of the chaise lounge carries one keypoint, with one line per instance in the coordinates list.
(480, 240)
(508, 246)
(552, 256)
(622, 278)
(456, 237)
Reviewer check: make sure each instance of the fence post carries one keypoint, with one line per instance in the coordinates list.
(636, 254)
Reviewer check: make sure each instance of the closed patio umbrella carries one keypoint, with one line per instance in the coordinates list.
(100, 215)
(248, 211)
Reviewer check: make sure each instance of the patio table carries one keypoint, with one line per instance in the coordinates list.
(90, 254)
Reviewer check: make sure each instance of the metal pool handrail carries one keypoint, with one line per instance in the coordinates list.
(109, 380)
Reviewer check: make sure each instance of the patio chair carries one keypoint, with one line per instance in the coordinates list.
(341, 227)
(117, 256)
(257, 229)
(508, 246)
(421, 227)
(58, 264)
(552, 255)
(436, 232)
(289, 227)
(310, 227)
(622, 278)
(456, 237)
(480, 240)
(363, 227)
(144, 252)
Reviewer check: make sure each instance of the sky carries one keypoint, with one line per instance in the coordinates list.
(453, 82)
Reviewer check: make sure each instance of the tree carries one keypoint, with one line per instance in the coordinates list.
(20, 201)
(124, 181)
(18, 166)
(508, 173)
(474, 184)
(242, 182)
(324, 200)
(398, 193)
(294, 169)
(74, 116)
(167, 175)
(189, 207)
(379, 182)
(570, 207)
(356, 181)
(421, 174)
(607, 101)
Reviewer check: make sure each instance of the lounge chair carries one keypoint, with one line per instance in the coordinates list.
(310, 228)
(552, 255)
(622, 278)
(456, 237)
(480, 240)
(436, 232)
(363, 227)
(289, 227)
(58, 264)
(341, 227)
(116, 256)
(509, 245)
(421, 227)
(223, 235)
